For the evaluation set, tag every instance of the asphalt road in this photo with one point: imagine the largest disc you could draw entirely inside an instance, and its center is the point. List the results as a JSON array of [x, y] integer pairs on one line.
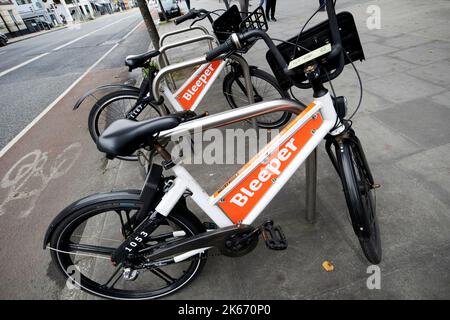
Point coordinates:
[[61, 57]]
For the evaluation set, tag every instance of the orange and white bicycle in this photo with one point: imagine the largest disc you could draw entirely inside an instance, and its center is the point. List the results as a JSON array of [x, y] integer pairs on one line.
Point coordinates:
[[144, 244]]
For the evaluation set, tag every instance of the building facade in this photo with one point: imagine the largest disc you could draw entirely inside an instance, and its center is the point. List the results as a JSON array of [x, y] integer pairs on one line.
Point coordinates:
[[11, 23], [37, 14]]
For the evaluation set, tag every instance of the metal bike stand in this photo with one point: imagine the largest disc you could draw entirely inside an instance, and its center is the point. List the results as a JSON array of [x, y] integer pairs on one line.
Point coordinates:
[[311, 187], [163, 60], [172, 33], [248, 86]]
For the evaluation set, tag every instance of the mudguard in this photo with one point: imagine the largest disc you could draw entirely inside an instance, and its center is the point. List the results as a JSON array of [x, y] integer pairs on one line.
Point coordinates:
[[89, 200], [104, 87]]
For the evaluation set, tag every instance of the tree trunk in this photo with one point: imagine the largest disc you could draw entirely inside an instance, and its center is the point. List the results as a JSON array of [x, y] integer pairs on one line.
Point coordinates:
[[149, 23]]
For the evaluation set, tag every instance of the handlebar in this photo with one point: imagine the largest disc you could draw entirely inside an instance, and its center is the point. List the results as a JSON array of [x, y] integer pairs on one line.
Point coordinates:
[[226, 47], [238, 40], [193, 14], [190, 15]]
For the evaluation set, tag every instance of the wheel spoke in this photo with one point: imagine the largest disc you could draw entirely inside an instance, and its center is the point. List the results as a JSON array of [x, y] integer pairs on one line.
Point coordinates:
[[163, 275], [111, 282]]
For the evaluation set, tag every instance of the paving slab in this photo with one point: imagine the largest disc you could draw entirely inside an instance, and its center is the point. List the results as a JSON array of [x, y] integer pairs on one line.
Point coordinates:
[[425, 54], [400, 87], [443, 99], [406, 40], [433, 167], [421, 120], [437, 73]]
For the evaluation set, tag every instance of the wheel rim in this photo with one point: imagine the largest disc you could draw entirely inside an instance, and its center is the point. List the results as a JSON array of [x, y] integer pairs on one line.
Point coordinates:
[[91, 270], [117, 108], [263, 91]]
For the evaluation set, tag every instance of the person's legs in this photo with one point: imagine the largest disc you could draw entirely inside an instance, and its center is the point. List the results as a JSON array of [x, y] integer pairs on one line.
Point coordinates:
[[322, 5], [188, 4], [268, 4], [273, 4]]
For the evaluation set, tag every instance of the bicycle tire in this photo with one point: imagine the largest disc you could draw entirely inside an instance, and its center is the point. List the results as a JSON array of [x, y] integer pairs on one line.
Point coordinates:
[[359, 195], [101, 107], [227, 88], [61, 241]]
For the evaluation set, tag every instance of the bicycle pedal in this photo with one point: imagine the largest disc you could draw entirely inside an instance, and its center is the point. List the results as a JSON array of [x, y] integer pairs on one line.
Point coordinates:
[[274, 236]]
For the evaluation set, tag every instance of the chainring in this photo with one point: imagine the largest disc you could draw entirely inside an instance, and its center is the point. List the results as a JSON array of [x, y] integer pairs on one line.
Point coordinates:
[[232, 248]]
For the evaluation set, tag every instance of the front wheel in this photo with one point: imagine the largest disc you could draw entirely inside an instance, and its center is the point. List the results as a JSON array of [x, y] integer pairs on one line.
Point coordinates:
[[360, 197], [83, 242], [265, 88]]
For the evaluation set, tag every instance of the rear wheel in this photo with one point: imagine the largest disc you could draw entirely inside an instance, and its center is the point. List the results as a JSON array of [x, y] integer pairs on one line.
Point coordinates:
[[82, 245], [115, 106], [265, 88], [360, 198]]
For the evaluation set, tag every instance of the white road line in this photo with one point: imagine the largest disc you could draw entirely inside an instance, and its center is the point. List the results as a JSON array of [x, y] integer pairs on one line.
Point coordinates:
[[23, 64], [46, 110], [60, 47], [132, 30]]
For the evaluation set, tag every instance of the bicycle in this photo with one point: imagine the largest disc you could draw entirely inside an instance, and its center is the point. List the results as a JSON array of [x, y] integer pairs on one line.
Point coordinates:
[[157, 234], [140, 103]]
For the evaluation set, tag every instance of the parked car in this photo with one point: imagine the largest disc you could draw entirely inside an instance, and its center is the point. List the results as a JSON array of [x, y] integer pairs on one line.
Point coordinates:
[[3, 40], [170, 7]]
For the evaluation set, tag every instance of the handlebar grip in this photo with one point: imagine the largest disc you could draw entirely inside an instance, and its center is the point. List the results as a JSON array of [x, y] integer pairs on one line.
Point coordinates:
[[190, 15], [225, 47]]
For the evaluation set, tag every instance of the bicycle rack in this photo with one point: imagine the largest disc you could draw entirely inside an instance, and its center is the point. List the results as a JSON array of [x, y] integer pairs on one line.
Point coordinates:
[[162, 58], [172, 33]]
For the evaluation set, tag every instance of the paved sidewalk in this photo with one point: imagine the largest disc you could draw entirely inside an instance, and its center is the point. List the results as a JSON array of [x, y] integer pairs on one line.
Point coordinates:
[[403, 124]]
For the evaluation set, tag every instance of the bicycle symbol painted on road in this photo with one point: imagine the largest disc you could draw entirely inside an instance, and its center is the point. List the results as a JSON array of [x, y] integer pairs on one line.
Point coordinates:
[[35, 169]]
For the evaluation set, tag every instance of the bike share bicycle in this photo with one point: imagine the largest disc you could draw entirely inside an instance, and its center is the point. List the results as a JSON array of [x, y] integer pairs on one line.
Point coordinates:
[[148, 239], [140, 103]]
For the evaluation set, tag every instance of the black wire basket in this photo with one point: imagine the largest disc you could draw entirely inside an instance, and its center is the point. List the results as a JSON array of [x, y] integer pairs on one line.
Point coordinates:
[[231, 22], [314, 38]]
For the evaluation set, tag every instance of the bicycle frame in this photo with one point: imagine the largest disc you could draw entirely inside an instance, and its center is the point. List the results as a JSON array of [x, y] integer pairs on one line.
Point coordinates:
[[194, 89], [245, 195]]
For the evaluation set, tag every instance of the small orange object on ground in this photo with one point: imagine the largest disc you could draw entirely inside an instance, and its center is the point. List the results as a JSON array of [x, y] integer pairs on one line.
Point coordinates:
[[327, 266]]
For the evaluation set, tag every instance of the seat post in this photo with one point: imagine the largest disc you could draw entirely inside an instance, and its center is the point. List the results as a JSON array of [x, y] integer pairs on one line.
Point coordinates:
[[167, 163]]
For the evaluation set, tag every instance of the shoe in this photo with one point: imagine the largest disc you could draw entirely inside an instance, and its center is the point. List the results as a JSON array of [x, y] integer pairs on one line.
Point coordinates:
[[273, 18], [323, 8], [268, 18]]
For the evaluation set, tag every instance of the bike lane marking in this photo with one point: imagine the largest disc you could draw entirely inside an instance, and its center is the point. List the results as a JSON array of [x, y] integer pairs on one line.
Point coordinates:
[[55, 163]]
